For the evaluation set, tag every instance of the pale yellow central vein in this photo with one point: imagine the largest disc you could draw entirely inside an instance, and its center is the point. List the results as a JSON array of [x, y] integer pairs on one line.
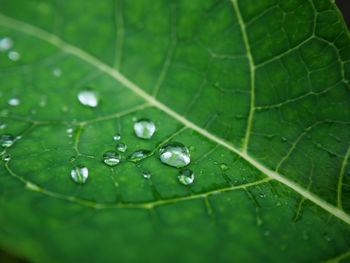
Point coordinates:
[[54, 40]]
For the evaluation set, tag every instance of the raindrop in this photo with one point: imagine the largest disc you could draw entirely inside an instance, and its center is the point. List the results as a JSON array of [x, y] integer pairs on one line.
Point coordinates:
[[79, 174], [144, 128], [262, 195], [6, 157], [14, 55], [116, 137], [224, 167], [146, 174], [88, 98], [111, 158], [121, 147], [57, 72], [6, 140], [139, 155], [174, 154], [5, 43], [186, 177], [3, 126], [13, 102]]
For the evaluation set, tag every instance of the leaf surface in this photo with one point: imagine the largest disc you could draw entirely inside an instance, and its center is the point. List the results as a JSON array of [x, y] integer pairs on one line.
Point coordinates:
[[258, 86]]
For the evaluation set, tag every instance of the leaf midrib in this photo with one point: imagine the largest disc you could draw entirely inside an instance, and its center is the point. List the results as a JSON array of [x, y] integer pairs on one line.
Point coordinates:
[[56, 41]]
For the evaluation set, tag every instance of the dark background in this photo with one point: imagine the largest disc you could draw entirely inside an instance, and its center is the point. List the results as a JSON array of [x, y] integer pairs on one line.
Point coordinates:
[[343, 5]]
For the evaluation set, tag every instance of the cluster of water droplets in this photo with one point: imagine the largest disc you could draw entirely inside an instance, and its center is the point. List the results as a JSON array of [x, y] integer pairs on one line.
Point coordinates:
[[6, 44]]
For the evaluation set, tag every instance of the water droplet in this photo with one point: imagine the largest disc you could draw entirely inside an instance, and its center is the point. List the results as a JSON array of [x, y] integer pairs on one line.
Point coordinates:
[[111, 158], [174, 154], [121, 147], [64, 108], [79, 174], [13, 102], [14, 55], [192, 148], [327, 237], [43, 101], [262, 195], [6, 140], [6, 157], [133, 119], [116, 137], [3, 126], [186, 177], [69, 130], [224, 167], [306, 235], [57, 72], [5, 43], [146, 174], [144, 128], [139, 155], [88, 98]]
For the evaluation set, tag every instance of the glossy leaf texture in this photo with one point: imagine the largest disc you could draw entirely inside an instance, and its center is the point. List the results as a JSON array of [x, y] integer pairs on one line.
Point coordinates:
[[257, 91]]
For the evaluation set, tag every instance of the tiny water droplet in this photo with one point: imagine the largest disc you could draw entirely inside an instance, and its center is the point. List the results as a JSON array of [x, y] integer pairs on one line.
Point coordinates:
[[6, 140], [79, 174], [111, 158], [116, 137], [57, 72], [69, 130], [192, 148], [3, 126], [133, 119], [88, 98], [6, 157], [139, 155], [262, 195], [224, 167], [13, 102], [327, 237], [186, 177], [43, 101], [5, 44], [144, 128], [146, 174], [64, 108], [174, 154], [306, 235], [14, 55], [121, 147]]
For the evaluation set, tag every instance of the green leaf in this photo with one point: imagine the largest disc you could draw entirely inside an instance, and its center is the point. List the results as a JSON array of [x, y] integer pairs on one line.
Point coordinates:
[[257, 90]]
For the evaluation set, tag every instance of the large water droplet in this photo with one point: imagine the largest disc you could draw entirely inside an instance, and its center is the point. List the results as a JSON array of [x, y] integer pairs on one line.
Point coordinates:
[[14, 55], [121, 147], [88, 98], [13, 102], [111, 158], [5, 43], [146, 174], [79, 174], [6, 140], [223, 167], [116, 137], [139, 155], [186, 177], [6, 157], [144, 128], [174, 154]]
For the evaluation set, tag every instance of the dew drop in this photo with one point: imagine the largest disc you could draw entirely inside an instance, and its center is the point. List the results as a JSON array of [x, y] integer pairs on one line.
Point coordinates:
[[88, 98], [121, 147], [14, 55], [223, 167], [116, 137], [146, 174], [6, 157], [144, 128], [79, 174], [186, 177], [57, 72], [2, 126], [13, 102], [139, 155], [174, 154], [6, 140], [5, 43], [111, 158], [262, 195]]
